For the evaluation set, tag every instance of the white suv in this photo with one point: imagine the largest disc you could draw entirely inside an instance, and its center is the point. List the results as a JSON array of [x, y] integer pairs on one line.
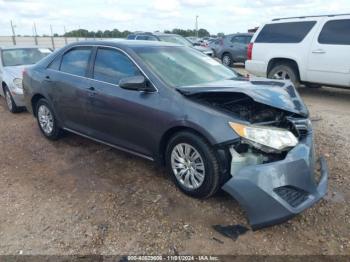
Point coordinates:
[[312, 50]]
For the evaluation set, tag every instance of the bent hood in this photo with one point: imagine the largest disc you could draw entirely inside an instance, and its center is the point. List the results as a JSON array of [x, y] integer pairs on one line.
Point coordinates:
[[278, 94]]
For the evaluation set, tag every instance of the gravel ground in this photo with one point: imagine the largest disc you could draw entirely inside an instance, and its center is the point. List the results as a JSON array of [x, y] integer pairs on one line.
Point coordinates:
[[75, 196]]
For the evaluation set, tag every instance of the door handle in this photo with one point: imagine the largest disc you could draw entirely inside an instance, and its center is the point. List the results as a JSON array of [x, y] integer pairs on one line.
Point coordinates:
[[318, 51], [48, 79], [92, 92]]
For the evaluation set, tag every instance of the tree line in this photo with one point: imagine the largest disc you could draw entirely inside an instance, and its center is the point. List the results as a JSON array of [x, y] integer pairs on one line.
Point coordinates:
[[115, 33]]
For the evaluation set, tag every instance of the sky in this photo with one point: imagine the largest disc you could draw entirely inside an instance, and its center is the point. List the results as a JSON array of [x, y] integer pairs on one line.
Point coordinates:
[[227, 16]]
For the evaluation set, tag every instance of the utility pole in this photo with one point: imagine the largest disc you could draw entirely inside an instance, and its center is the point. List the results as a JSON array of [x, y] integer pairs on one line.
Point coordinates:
[[197, 26], [65, 34], [13, 33], [52, 40], [35, 34]]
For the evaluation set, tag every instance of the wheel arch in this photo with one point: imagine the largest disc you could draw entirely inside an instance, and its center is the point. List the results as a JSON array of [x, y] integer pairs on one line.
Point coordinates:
[[283, 61], [34, 100], [3, 85], [170, 133], [224, 53]]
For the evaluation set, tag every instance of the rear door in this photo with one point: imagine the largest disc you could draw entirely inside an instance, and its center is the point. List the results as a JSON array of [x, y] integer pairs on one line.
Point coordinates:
[[329, 57], [239, 45], [68, 87]]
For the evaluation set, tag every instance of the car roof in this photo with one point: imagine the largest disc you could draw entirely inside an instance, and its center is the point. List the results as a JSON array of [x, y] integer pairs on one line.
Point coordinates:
[[240, 34], [124, 43], [309, 17], [155, 34]]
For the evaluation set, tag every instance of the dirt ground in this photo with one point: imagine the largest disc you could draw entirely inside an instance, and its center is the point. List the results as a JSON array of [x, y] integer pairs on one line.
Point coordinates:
[[75, 196]]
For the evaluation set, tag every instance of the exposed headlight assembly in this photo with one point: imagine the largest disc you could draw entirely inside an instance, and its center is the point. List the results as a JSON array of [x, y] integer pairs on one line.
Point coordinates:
[[277, 139], [18, 83]]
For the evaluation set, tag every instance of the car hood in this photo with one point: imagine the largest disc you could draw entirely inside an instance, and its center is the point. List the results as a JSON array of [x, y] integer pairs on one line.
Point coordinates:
[[278, 94], [14, 71]]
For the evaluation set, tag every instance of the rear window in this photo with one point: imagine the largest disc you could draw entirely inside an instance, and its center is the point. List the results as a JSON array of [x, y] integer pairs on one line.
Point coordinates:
[[335, 32], [293, 32]]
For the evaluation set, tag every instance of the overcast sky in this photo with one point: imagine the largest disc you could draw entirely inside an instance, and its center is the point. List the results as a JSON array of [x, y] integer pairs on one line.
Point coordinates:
[[226, 16]]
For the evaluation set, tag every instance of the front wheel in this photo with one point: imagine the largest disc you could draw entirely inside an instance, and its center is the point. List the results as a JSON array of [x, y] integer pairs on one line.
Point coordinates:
[[193, 165], [11, 105], [47, 121]]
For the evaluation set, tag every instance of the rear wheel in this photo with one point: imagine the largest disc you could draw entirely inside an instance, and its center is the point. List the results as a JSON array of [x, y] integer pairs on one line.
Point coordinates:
[[11, 105], [285, 72], [47, 121], [193, 165], [227, 59]]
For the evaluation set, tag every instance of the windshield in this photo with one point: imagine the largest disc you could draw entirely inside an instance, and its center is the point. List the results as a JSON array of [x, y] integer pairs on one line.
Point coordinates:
[[23, 56], [176, 39], [183, 66]]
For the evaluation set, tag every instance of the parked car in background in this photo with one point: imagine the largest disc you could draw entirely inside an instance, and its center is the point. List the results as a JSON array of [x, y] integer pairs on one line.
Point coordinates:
[[170, 38], [13, 60], [313, 50], [194, 40], [209, 126], [234, 48], [215, 45]]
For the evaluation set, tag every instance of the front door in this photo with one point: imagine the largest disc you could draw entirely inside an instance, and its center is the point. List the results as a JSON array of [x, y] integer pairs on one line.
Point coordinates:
[[329, 57], [120, 117]]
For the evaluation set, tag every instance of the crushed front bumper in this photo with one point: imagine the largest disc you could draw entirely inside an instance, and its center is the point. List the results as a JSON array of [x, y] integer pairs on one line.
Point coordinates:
[[274, 192]]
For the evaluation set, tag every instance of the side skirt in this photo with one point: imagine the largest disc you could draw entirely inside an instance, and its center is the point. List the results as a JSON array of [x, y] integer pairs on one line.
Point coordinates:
[[111, 145]]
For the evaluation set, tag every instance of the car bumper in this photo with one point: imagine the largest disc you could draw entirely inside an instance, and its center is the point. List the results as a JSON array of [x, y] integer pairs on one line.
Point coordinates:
[[274, 192], [18, 97], [257, 68]]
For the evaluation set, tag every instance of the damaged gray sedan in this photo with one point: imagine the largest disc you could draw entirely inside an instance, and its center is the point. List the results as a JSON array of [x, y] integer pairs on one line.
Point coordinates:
[[209, 126]]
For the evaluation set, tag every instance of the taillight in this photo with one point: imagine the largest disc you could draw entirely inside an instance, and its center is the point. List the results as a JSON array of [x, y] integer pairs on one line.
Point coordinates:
[[23, 72], [250, 51]]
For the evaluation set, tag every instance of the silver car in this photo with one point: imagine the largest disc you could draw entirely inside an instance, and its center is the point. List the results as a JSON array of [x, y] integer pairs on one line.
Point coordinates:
[[13, 60]]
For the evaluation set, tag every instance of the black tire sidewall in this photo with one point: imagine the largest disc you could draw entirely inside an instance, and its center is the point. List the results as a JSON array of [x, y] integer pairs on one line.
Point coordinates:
[[54, 135], [14, 108], [211, 179]]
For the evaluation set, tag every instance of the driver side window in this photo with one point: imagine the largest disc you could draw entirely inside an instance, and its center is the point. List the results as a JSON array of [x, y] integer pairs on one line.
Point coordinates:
[[111, 66]]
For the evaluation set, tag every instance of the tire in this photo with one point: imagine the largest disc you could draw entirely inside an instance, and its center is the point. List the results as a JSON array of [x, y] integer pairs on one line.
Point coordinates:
[[44, 114], [285, 72], [206, 165], [11, 105], [227, 59]]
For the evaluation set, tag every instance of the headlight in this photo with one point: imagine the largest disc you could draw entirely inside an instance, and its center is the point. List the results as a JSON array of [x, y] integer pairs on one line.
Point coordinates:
[[18, 83], [276, 138]]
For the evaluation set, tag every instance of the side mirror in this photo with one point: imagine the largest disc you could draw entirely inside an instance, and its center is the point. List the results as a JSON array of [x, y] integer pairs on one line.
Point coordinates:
[[137, 83]]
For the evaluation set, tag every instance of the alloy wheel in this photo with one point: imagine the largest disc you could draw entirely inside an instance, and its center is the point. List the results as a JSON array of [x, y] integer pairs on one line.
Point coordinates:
[[226, 60], [281, 75], [46, 119], [188, 166]]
